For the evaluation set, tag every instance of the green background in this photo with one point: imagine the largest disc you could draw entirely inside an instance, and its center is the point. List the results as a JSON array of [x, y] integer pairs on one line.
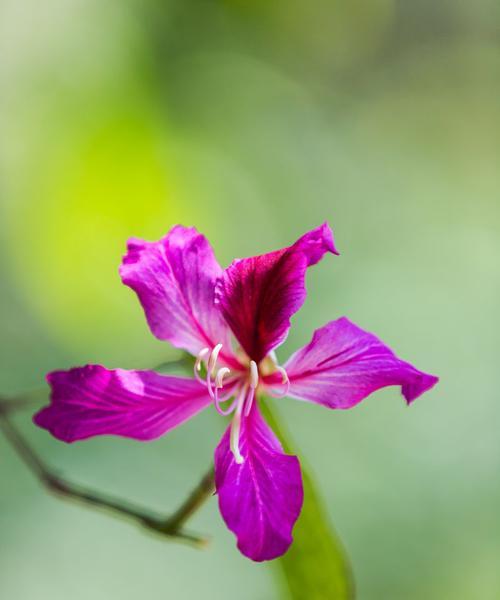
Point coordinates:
[[255, 121]]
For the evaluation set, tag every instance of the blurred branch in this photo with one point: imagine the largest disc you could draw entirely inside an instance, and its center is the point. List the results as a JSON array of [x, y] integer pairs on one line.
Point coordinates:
[[29, 399], [170, 526]]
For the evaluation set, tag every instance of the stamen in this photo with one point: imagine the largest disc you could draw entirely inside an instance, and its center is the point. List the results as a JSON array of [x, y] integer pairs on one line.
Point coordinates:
[[284, 375], [224, 411], [200, 358], [249, 403], [235, 428], [221, 373], [254, 382], [254, 374], [197, 365], [212, 361], [285, 381]]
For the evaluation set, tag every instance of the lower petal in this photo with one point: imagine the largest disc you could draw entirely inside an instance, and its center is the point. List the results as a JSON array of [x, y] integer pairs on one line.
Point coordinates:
[[260, 499], [91, 400]]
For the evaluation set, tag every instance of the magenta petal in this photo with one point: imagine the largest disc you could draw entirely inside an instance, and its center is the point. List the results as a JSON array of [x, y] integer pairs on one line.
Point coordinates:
[[258, 295], [261, 499], [343, 364], [91, 400], [174, 279]]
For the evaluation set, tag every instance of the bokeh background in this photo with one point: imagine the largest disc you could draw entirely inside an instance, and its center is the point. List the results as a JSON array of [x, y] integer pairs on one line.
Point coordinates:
[[254, 121]]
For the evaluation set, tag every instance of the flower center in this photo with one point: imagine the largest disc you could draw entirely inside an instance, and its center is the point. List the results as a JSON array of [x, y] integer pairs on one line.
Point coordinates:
[[242, 386]]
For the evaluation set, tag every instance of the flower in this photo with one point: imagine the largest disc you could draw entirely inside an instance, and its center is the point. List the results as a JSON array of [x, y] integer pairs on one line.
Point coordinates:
[[191, 302]]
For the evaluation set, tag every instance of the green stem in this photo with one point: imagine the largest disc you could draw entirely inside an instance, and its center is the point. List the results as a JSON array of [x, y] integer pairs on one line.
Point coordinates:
[[316, 566]]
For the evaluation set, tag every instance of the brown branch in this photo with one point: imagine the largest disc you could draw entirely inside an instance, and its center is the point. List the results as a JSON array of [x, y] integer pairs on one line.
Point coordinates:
[[171, 526]]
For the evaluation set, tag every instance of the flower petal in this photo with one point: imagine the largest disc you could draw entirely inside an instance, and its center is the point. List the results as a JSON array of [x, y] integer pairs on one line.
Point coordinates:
[[261, 499], [343, 364], [258, 295], [174, 279], [91, 400]]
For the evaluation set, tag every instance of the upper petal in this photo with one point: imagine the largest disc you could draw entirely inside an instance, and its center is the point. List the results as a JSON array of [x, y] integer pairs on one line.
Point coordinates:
[[261, 499], [343, 364], [174, 279], [91, 400], [258, 295]]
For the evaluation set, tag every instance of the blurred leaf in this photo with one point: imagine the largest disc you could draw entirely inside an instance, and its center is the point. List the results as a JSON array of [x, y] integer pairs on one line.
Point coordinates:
[[96, 184], [181, 366], [316, 566]]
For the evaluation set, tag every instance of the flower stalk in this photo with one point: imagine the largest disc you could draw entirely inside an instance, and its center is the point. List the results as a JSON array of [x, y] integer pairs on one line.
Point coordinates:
[[171, 526]]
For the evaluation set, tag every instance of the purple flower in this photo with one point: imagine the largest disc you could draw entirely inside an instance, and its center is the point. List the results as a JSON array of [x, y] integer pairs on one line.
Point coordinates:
[[198, 307]]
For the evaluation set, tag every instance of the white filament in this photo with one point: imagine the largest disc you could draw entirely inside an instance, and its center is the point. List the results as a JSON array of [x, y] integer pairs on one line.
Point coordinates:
[[285, 380], [249, 402], [234, 438]]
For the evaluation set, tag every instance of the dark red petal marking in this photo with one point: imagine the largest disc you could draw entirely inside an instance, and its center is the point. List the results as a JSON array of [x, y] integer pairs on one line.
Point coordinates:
[[258, 295]]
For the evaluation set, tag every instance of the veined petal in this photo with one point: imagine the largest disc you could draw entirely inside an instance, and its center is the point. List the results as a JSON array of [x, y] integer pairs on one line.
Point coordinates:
[[260, 499], [174, 279], [91, 400], [343, 364], [258, 295]]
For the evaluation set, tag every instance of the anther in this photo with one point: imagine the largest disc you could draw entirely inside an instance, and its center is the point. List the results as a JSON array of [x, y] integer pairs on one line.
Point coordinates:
[[202, 354], [219, 378], [254, 374], [212, 361], [200, 358]]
